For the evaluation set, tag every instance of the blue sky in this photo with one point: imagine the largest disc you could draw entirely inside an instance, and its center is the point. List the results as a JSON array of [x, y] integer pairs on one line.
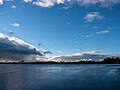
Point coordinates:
[[64, 27]]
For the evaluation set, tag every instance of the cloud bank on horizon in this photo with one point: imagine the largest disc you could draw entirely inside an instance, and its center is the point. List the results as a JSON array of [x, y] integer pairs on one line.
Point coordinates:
[[83, 56], [12, 48]]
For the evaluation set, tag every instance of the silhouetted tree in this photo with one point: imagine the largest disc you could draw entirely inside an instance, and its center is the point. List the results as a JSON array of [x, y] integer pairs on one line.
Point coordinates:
[[111, 60], [22, 61]]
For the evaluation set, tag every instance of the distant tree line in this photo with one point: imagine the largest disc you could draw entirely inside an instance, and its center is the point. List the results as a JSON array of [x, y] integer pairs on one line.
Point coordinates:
[[108, 60], [112, 60]]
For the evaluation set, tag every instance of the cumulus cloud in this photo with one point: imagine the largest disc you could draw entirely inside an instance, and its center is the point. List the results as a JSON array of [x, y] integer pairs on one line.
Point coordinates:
[[50, 3], [27, 1], [13, 6], [82, 57], [91, 16], [12, 48], [15, 24], [101, 3], [1, 2], [103, 32], [93, 55], [47, 3], [78, 57]]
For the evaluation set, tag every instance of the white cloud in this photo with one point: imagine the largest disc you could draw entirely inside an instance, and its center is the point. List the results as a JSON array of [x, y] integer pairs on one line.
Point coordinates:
[[27, 1], [13, 6], [91, 16], [92, 52], [12, 48], [103, 32], [60, 51], [79, 57], [50, 3], [16, 42], [108, 3], [93, 55], [47, 3], [89, 36], [88, 52], [101, 3], [1, 2], [15, 24]]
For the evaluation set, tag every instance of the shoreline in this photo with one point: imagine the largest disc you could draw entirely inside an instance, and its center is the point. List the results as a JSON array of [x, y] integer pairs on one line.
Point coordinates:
[[59, 63]]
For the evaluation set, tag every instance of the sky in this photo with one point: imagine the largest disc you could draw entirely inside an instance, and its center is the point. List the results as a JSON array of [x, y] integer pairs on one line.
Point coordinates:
[[63, 27]]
